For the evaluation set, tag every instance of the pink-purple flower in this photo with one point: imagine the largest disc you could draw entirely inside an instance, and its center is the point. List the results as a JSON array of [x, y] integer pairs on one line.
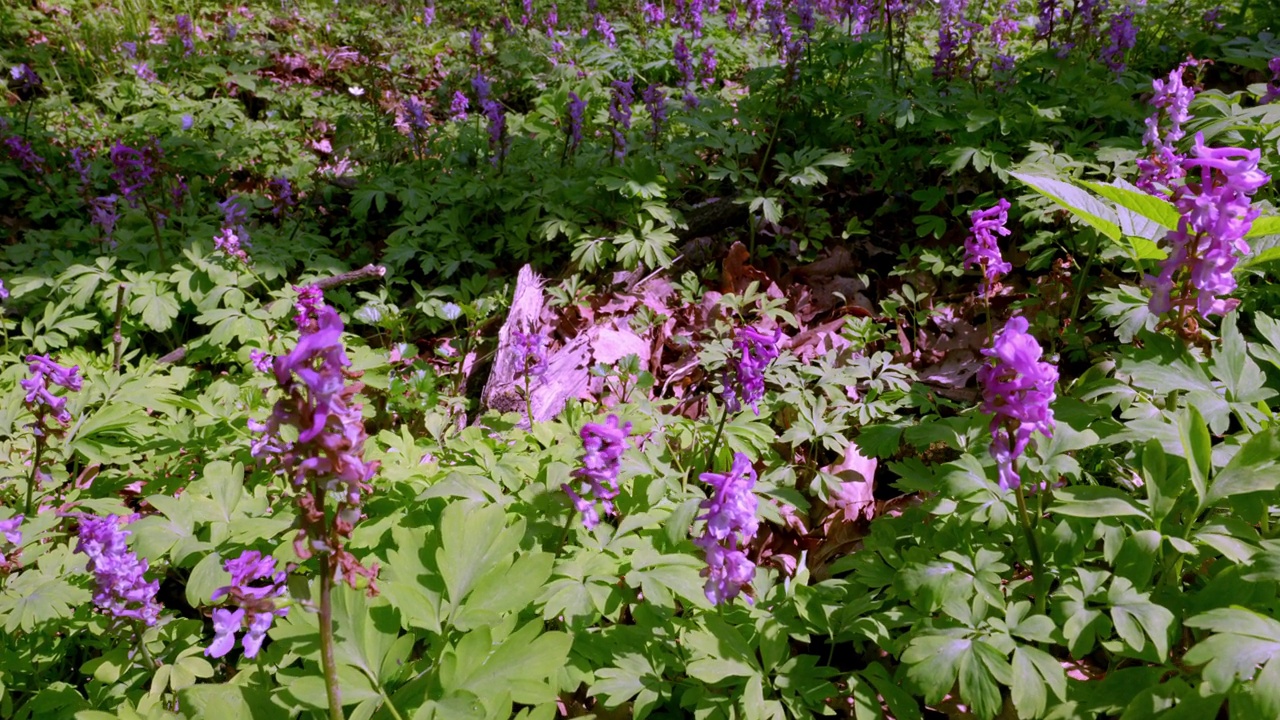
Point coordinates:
[[255, 586], [731, 525], [1017, 389], [603, 445], [982, 247], [40, 399], [745, 382], [120, 587]]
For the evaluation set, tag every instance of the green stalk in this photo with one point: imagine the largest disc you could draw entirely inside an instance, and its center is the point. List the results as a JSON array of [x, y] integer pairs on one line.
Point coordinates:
[[35, 471], [711, 451], [1038, 571], [330, 667]]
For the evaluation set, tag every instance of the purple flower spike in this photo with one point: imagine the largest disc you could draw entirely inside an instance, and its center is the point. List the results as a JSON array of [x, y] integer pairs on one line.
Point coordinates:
[[39, 399], [982, 248], [1273, 87], [603, 445], [531, 353], [731, 525], [12, 536], [4, 292], [655, 101], [745, 384], [620, 113], [121, 590], [458, 107], [255, 585], [310, 301], [577, 109], [1017, 390]]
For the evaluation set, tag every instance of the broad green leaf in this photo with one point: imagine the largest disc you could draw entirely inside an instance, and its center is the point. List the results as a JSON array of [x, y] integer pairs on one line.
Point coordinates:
[[1033, 671], [1135, 615], [1242, 641], [223, 702], [1252, 469], [1153, 208], [474, 541], [1077, 201], [33, 597], [1093, 501]]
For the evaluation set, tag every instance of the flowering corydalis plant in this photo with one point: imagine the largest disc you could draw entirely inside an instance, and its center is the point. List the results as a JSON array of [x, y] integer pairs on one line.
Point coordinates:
[[731, 525], [255, 586], [10, 543], [982, 247], [326, 460], [121, 589], [1216, 213], [40, 399], [1160, 170], [745, 382], [602, 445], [1017, 389], [233, 237]]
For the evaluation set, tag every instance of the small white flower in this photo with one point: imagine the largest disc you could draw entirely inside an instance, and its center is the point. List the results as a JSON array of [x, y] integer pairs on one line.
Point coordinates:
[[356, 90]]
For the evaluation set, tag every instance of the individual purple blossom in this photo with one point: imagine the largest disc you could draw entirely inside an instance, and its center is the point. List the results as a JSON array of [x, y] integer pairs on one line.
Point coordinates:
[[1273, 87], [1017, 389], [261, 360], [458, 108], [982, 247], [130, 49], [1212, 18], [620, 102], [230, 30], [480, 84], [1122, 37], [603, 27], [325, 457], [40, 399], [745, 382], [429, 14], [4, 292], [187, 122], [655, 101], [1216, 213], [553, 18], [603, 445], [255, 586], [577, 109], [731, 525], [120, 586], [231, 244]]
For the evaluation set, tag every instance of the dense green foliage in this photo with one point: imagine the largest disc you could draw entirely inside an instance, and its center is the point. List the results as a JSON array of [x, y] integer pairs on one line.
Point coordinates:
[[819, 182]]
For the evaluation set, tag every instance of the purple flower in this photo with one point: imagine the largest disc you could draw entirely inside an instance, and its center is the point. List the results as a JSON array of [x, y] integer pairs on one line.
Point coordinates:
[[416, 117], [603, 27], [1215, 214], [25, 81], [185, 32], [283, 198], [982, 248], [260, 360], [40, 399], [135, 169], [4, 292], [1017, 389], [255, 585], [229, 243], [102, 212], [654, 14], [707, 67], [1273, 87], [130, 49], [745, 382], [577, 109], [531, 353], [655, 101], [121, 590], [731, 525], [477, 41], [1172, 99], [1123, 36], [429, 14], [684, 61], [497, 124], [620, 113], [481, 86], [458, 108], [310, 301], [233, 238], [603, 445], [188, 122], [326, 458], [144, 71], [12, 536], [21, 152], [79, 163]]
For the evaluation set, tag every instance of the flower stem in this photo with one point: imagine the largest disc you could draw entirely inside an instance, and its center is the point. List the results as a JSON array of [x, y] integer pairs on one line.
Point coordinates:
[[711, 451], [142, 645], [35, 473], [1038, 571], [326, 638]]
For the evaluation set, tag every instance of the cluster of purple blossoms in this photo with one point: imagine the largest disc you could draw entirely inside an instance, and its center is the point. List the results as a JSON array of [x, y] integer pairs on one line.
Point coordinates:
[[233, 238], [4, 292], [744, 384], [255, 585], [982, 247], [530, 353], [327, 457], [429, 14], [25, 82], [1216, 214], [654, 14], [102, 212], [655, 101], [310, 301], [497, 119], [121, 590], [602, 445], [185, 33], [731, 525], [1002, 28], [282, 198], [459, 106], [1017, 390], [415, 115], [1123, 36], [953, 32], [144, 71], [40, 399], [1273, 88], [577, 109], [603, 27], [12, 536], [135, 169], [707, 66], [1172, 99], [20, 151], [81, 163], [620, 113], [477, 42], [684, 62]]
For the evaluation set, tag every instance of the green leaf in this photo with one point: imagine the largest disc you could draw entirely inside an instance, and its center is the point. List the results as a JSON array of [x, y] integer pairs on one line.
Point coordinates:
[[1269, 225], [33, 597], [1076, 201], [1252, 469], [474, 542], [1153, 208], [521, 663], [933, 663], [222, 702], [1243, 641], [1033, 671], [1093, 501], [1134, 615]]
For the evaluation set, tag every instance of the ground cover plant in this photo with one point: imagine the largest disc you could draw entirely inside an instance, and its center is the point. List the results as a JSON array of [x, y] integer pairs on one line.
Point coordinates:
[[715, 359]]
